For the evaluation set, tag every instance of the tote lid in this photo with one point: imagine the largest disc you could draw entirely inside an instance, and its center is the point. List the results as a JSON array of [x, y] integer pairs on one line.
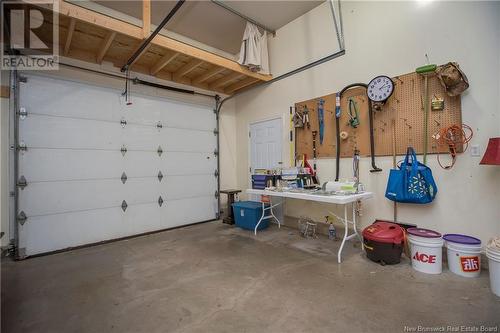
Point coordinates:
[[426, 233]]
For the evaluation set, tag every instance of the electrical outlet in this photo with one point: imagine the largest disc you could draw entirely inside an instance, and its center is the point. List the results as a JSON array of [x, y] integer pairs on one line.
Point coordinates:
[[474, 151]]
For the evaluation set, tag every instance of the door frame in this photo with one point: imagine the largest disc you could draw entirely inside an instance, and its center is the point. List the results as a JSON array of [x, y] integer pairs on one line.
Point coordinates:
[[249, 143]]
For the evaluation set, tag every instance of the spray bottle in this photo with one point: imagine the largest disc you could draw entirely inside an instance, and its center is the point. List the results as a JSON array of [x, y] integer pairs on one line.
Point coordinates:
[[332, 233]]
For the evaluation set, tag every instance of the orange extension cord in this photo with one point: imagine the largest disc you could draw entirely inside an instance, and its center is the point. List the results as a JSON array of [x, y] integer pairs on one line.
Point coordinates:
[[452, 137]]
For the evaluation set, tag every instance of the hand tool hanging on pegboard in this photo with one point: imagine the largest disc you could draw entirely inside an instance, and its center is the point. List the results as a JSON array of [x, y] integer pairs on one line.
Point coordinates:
[[353, 113], [321, 119], [292, 145], [337, 126], [305, 117], [426, 71], [314, 134]]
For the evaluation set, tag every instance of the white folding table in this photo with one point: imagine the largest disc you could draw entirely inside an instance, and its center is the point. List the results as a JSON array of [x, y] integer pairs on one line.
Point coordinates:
[[344, 200]]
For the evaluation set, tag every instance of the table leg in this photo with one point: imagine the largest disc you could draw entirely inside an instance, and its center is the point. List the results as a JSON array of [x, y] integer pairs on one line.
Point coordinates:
[[261, 218], [354, 221], [346, 230]]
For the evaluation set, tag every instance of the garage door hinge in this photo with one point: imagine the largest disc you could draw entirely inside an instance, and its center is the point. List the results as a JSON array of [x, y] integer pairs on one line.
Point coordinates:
[[22, 146], [123, 122], [124, 177], [23, 113], [21, 218], [22, 183], [124, 205], [216, 132], [123, 150], [160, 201], [216, 152], [216, 173], [22, 79], [216, 194], [160, 176], [159, 125], [159, 151]]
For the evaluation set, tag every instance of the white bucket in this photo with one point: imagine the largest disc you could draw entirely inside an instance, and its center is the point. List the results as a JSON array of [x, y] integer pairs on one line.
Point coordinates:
[[426, 254], [464, 260], [493, 255]]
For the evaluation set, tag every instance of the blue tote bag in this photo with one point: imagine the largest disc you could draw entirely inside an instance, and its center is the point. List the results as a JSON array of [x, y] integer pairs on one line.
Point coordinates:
[[412, 182]]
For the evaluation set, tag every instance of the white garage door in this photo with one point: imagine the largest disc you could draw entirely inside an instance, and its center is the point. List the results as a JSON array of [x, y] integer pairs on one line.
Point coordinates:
[[97, 169]]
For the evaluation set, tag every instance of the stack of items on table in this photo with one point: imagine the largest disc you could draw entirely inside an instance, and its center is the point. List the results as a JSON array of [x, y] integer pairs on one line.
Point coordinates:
[[283, 178]]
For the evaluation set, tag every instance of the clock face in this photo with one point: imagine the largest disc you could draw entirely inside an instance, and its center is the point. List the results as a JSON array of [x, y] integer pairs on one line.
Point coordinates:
[[380, 88]]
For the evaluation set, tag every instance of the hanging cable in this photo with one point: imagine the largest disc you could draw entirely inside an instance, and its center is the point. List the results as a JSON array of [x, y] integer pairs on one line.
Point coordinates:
[[453, 137]]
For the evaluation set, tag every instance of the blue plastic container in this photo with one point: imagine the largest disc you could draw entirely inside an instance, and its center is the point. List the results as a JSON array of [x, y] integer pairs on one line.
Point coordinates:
[[248, 213]]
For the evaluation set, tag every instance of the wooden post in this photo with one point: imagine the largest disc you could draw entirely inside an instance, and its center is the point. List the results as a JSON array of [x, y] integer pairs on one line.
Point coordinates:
[[146, 18]]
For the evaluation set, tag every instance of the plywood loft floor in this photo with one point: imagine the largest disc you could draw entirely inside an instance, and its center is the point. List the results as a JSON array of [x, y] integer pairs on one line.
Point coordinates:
[[216, 278]]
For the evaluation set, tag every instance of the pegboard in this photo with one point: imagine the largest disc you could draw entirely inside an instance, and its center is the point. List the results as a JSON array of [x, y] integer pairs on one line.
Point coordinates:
[[405, 109]]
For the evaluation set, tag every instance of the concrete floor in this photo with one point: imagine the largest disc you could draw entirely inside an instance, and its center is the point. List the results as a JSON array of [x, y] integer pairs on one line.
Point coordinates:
[[217, 278]]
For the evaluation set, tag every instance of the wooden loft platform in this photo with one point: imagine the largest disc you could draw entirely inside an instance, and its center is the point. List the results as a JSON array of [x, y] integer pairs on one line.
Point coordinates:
[[93, 37]]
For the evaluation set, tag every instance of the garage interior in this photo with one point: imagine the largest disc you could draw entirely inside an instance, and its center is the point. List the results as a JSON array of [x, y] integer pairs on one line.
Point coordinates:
[[250, 166]]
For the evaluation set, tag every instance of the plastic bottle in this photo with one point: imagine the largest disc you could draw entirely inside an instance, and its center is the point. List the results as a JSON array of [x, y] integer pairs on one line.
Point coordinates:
[[332, 233]]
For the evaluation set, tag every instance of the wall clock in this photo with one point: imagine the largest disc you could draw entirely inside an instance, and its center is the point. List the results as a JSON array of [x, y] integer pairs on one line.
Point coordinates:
[[380, 89]]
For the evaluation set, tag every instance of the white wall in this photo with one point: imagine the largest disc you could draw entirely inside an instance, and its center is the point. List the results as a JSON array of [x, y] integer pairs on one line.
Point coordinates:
[[392, 38]]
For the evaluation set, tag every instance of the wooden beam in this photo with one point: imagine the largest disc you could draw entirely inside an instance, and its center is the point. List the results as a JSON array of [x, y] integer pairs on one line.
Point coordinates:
[[106, 43], [240, 84], [130, 30], [146, 18], [206, 56], [208, 74], [225, 80], [4, 92], [69, 36], [184, 70], [164, 61]]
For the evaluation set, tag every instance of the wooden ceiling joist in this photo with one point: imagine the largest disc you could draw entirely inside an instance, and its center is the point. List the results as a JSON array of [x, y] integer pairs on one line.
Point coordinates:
[[208, 74], [120, 36], [225, 80], [239, 85], [69, 36], [106, 43], [184, 70], [164, 61]]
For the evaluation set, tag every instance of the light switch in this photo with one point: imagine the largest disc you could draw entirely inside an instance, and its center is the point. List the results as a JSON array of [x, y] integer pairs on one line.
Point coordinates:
[[474, 151]]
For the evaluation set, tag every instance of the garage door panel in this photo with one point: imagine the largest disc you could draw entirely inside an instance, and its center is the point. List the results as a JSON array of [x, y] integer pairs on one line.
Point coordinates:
[[41, 131], [74, 163], [200, 209], [180, 163], [58, 197], [188, 140], [178, 187], [192, 117], [55, 97], [138, 137], [86, 164], [143, 218], [71, 164], [54, 232]]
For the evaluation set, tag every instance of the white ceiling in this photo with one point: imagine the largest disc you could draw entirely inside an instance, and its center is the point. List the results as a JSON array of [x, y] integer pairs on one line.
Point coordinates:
[[213, 25]]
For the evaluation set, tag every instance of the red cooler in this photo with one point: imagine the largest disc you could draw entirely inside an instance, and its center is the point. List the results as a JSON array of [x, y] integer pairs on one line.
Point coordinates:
[[383, 242]]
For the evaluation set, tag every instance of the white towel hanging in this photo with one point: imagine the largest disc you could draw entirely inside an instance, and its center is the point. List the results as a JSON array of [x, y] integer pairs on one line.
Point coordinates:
[[253, 51]]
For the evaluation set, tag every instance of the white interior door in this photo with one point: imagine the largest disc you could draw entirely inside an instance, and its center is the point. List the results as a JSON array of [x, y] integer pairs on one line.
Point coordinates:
[[265, 144], [266, 150], [97, 169]]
